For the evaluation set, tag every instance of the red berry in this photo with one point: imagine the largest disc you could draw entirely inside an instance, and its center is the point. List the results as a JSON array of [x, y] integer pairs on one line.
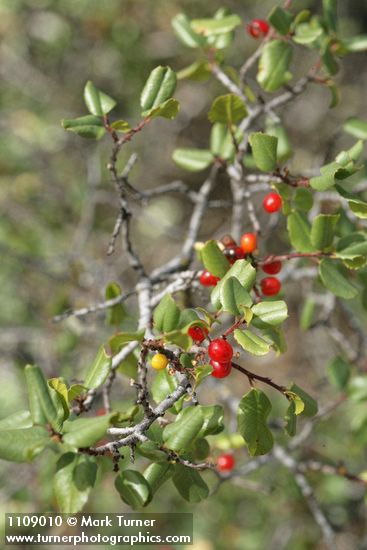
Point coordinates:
[[220, 370], [220, 350], [233, 253], [225, 463], [207, 279], [258, 28], [272, 203], [270, 286], [273, 268], [101, 412], [248, 242], [198, 334]]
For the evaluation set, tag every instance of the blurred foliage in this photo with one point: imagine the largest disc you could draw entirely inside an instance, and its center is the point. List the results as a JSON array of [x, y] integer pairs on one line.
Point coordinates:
[[57, 212]]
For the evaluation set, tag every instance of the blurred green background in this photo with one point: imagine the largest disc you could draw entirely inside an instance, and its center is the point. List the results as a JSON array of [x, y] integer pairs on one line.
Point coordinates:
[[58, 209]]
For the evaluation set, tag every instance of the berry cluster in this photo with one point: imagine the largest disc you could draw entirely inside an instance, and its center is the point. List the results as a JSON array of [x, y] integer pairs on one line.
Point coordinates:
[[270, 286], [220, 352]]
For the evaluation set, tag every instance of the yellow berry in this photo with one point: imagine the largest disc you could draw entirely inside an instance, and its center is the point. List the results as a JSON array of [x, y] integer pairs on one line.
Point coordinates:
[[159, 361]]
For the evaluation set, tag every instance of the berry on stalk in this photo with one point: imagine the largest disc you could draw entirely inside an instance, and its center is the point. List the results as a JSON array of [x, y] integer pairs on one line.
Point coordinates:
[[270, 286], [258, 28], [198, 334], [272, 268], [220, 370], [207, 279], [220, 350], [272, 203], [248, 242], [159, 361], [225, 463], [234, 253]]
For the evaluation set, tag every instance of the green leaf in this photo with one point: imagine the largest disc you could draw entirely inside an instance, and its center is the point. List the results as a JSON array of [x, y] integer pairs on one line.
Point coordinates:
[[199, 71], [115, 314], [341, 168], [61, 399], [157, 474], [310, 405], [234, 297], [334, 279], [352, 249], [163, 385], [121, 126], [307, 34], [39, 391], [253, 411], [299, 232], [323, 231], [202, 372], [214, 260], [284, 147], [169, 109], [357, 206], [209, 27], [99, 369], [84, 432], [188, 317], [213, 420], [303, 199], [251, 342], [243, 271], [356, 127], [166, 315], [273, 65], [338, 372], [86, 126], [272, 313], [97, 102], [150, 449], [264, 150], [75, 477], [330, 14], [291, 419], [16, 421], [221, 41], [307, 314], [75, 390], [23, 444], [227, 109], [334, 94], [221, 141], [35, 404], [133, 489], [193, 160], [357, 388], [355, 43], [182, 27], [190, 484], [274, 334], [328, 59], [281, 20], [159, 87], [179, 435], [120, 339], [201, 449], [299, 405]]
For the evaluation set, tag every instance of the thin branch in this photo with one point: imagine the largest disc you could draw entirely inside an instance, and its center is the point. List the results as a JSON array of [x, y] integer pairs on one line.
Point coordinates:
[[265, 379], [308, 494], [183, 259]]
